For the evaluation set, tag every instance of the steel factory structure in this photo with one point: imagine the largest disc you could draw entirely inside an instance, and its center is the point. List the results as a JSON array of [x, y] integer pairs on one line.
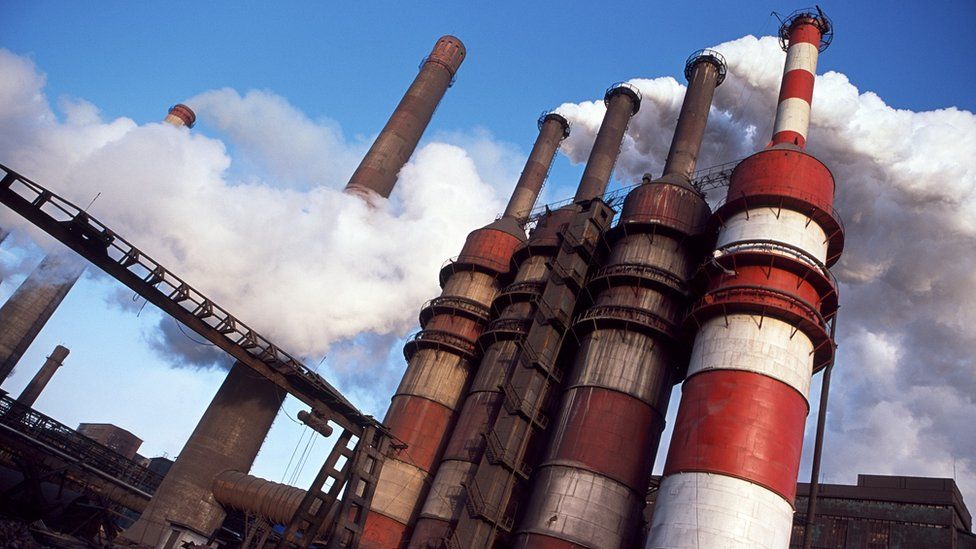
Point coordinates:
[[535, 394]]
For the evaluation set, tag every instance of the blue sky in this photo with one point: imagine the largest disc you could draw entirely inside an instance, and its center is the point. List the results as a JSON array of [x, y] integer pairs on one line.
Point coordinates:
[[348, 64]]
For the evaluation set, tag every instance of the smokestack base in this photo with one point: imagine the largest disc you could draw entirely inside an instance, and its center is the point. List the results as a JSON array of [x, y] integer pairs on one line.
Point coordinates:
[[553, 115], [707, 56], [623, 88], [807, 16], [181, 115], [449, 52]]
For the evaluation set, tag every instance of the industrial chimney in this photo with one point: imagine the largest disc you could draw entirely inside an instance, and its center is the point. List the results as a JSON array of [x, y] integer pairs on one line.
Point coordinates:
[[762, 330], [611, 416], [480, 474], [377, 173], [443, 356], [181, 116], [26, 312], [40, 380]]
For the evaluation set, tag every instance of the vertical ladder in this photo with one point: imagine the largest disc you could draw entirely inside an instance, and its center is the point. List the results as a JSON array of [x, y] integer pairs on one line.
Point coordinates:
[[507, 463]]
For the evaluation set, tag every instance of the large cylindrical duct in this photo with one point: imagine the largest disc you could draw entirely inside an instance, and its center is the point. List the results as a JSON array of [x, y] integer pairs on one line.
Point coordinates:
[[442, 357], [227, 438], [504, 342], [377, 173], [40, 380], [762, 330], [256, 496], [27, 311], [587, 492]]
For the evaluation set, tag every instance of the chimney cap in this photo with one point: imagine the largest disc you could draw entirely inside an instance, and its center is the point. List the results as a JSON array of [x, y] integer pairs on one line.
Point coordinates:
[[625, 88], [184, 113], [448, 52], [707, 56], [553, 115]]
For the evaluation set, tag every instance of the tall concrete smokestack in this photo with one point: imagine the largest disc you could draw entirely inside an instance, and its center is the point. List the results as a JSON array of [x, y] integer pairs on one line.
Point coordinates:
[[40, 380], [181, 116], [730, 476], [377, 173], [27, 311], [442, 357], [611, 415], [520, 346], [227, 438]]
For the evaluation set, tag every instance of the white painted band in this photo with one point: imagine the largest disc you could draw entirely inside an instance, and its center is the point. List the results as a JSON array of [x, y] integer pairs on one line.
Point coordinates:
[[782, 225], [792, 114], [802, 56], [398, 490], [626, 361], [736, 342], [436, 375], [698, 510], [577, 505]]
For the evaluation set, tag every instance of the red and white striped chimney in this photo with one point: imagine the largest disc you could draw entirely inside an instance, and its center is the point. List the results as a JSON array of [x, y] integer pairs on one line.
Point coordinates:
[[730, 476]]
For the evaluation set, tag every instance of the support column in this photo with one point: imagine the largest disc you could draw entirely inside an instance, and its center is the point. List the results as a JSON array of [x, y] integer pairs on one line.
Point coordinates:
[[228, 438]]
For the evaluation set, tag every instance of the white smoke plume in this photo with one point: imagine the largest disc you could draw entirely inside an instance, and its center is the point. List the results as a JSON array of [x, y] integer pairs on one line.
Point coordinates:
[[266, 233], [904, 388]]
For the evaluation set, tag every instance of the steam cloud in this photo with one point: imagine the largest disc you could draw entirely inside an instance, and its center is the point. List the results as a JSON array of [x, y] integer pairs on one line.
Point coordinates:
[[272, 238], [904, 389]]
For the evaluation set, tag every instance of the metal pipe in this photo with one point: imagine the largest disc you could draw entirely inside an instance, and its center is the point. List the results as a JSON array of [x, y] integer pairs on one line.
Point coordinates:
[[818, 448], [622, 101], [27, 311], [705, 70], [553, 128], [181, 116], [272, 500], [377, 173], [40, 380]]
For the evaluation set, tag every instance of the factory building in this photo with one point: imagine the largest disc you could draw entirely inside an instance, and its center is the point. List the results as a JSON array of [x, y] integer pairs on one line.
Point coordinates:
[[112, 436]]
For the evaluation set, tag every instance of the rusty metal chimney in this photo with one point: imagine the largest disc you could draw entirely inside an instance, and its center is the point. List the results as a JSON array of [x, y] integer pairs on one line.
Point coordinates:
[[705, 71], [33, 390], [553, 128], [377, 173], [181, 116], [622, 101]]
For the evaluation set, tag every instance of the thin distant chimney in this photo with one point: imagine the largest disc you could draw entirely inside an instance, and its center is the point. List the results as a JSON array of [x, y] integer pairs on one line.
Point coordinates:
[[43, 376], [180, 115]]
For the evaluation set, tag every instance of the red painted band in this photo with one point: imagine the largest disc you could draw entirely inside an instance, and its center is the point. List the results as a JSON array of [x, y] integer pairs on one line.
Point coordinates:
[[740, 424], [382, 532], [423, 425], [791, 137], [607, 432], [460, 326], [797, 84], [805, 31]]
